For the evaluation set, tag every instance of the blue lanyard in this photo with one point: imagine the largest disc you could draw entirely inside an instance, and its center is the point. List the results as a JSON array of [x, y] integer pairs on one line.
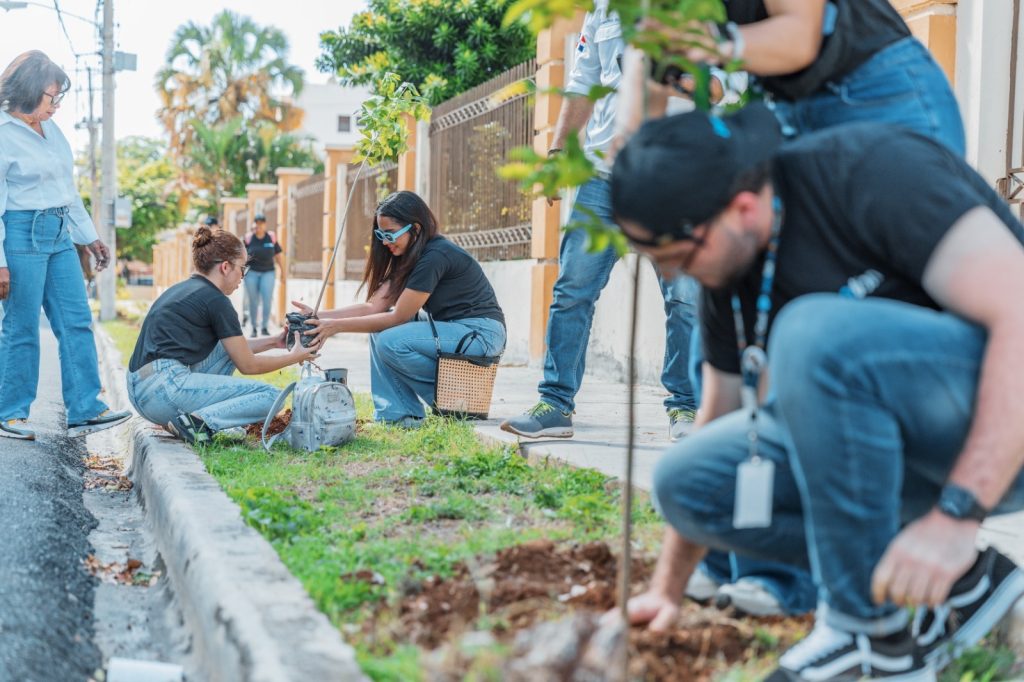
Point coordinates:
[[753, 359]]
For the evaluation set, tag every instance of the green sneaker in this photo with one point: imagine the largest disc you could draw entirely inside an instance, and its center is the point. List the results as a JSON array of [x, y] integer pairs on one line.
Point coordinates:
[[680, 422], [540, 421]]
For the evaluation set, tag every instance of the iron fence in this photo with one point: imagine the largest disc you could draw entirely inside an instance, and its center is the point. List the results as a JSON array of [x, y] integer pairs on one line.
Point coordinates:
[[373, 185], [470, 137], [306, 228]]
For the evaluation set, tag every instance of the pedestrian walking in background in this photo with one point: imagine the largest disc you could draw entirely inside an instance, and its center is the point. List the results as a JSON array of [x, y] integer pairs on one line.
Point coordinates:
[[264, 252], [41, 220]]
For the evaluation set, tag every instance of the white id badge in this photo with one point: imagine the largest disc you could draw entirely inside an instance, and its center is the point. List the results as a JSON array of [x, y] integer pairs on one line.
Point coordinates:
[[755, 481]]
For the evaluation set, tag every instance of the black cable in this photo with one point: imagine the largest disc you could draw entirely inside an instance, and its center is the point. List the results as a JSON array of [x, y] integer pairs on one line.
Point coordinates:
[[60, 18]]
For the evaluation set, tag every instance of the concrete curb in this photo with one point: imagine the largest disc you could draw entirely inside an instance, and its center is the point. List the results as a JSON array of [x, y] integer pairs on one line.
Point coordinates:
[[249, 618]]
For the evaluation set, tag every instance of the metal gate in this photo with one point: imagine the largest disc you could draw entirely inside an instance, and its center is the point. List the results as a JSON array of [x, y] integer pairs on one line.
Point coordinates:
[[1011, 186]]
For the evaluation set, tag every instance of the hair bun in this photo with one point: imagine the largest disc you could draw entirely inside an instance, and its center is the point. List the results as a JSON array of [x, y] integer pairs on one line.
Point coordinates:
[[204, 236]]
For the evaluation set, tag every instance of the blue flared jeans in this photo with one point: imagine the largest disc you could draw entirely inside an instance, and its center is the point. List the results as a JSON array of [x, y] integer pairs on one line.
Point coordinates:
[[403, 362], [46, 274]]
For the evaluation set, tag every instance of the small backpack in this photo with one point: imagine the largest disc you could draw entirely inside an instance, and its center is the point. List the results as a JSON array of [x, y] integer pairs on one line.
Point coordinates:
[[323, 413]]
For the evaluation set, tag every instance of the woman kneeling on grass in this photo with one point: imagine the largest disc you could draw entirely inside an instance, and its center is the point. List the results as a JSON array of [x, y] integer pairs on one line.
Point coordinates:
[[410, 266], [191, 343]]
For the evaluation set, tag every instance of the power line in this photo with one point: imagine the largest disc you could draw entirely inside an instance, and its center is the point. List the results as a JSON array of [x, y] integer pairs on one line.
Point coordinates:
[[60, 18]]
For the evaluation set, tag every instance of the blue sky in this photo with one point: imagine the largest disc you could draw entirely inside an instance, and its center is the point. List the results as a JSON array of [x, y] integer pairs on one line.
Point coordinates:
[[145, 27]]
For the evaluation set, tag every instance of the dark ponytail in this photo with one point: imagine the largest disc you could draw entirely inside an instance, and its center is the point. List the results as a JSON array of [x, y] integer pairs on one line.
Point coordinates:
[[210, 247]]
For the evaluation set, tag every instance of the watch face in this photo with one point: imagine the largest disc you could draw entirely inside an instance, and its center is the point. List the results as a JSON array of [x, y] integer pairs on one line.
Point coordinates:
[[960, 504], [952, 506]]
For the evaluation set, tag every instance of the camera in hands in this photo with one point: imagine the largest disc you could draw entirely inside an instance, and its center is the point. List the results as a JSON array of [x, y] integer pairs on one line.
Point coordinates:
[[299, 322]]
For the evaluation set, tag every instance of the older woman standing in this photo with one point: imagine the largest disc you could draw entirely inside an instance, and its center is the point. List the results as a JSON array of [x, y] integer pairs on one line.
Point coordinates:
[[41, 219]]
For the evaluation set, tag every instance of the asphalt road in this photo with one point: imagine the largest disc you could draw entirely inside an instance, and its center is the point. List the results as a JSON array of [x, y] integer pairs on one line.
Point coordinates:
[[46, 597]]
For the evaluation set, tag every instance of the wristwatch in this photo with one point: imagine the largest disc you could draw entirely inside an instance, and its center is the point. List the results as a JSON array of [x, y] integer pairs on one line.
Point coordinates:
[[961, 504]]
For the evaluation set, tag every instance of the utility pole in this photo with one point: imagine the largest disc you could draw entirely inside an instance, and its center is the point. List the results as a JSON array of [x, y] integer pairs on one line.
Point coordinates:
[[107, 279], [94, 176]]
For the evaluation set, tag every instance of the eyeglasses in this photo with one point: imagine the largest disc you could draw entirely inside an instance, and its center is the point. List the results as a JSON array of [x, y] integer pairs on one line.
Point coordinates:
[[685, 232], [391, 237], [55, 100], [243, 268]]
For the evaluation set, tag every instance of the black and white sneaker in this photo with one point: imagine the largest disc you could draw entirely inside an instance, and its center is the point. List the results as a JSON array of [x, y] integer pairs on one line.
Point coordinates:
[[838, 656], [191, 429], [104, 420], [977, 602]]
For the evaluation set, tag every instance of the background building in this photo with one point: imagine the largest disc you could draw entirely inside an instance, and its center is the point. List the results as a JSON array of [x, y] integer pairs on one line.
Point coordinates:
[[331, 111]]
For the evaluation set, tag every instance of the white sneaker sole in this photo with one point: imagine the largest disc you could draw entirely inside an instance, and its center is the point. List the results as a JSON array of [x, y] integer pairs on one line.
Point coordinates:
[[75, 431], [17, 436], [982, 622], [747, 604], [552, 432]]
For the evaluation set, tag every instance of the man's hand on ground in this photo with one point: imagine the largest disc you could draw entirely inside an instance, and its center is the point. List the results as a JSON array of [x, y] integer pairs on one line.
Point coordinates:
[[652, 608], [924, 560]]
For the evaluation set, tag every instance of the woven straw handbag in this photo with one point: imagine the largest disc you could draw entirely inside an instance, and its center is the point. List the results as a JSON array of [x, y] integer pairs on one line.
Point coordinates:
[[464, 383]]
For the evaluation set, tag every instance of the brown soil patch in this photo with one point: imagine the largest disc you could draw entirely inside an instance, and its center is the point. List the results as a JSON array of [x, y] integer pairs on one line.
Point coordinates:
[[522, 586], [536, 571], [279, 423]]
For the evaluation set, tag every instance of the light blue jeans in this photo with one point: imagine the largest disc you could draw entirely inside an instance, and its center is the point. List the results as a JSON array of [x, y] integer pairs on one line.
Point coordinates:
[[903, 85], [581, 278], [403, 362], [259, 288], [206, 389], [858, 453], [46, 273]]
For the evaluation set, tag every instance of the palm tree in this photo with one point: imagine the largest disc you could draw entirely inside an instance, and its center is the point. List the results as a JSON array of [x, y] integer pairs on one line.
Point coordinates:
[[233, 68]]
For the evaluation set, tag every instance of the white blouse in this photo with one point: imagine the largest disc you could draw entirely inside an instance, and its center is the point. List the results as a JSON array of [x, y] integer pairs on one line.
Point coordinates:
[[36, 172]]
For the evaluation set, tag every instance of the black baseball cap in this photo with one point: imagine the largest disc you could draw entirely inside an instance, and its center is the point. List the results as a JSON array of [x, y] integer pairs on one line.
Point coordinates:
[[676, 172], [211, 220]]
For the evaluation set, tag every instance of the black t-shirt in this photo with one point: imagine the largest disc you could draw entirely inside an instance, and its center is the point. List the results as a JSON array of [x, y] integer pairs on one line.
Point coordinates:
[[865, 206], [261, 252], [185, 324], [854, 31], [456, 283]]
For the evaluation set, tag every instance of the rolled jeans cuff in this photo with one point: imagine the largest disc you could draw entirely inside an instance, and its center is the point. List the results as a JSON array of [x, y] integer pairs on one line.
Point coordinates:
[[873, 627]]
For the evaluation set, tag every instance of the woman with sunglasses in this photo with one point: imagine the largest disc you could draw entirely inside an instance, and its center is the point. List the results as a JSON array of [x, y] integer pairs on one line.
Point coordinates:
[[411, 266], [181, 373], [41, 220]]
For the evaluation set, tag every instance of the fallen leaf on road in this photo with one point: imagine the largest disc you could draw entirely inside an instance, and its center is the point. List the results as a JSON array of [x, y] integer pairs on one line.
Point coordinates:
[[117, 573]]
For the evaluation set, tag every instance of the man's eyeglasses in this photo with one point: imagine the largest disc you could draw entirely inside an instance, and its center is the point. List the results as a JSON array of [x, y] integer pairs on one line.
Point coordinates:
[[391, 237], [55, 100]]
